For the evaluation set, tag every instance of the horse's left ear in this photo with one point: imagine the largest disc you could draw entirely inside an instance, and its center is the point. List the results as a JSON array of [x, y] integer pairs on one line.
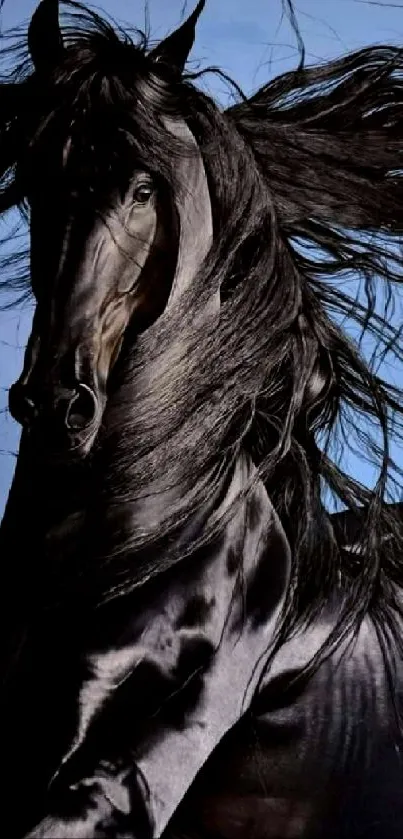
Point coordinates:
[[174, 50], [45, 40]]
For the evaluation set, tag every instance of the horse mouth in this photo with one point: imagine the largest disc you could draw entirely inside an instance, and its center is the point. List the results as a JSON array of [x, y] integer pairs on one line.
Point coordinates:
[[64, 445]]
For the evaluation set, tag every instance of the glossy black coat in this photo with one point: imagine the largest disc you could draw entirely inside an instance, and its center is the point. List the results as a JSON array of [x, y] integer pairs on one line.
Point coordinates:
[[169, 716]]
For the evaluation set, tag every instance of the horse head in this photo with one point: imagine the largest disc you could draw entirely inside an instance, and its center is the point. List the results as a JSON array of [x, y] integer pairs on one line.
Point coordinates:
[[109, 235]]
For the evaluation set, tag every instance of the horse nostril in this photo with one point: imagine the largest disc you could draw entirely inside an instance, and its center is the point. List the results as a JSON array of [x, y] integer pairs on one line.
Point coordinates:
[[22, 408], [82, 409]]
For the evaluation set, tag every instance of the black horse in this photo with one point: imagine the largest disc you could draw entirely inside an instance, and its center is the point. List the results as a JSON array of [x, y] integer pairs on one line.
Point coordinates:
[[190, 649]]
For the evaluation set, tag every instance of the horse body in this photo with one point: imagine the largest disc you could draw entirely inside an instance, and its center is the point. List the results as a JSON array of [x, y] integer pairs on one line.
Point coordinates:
[[189, 651], [174, 712]]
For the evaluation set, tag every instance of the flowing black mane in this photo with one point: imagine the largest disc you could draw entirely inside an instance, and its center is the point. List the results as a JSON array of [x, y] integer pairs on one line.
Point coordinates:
[[306, 187]]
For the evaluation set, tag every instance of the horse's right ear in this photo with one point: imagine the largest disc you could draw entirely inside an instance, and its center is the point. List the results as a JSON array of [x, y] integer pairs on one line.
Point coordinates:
[[174, 50], [45, 40]]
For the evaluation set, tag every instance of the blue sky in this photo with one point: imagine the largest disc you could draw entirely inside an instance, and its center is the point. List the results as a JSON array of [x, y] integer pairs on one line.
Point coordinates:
[[250, 41]]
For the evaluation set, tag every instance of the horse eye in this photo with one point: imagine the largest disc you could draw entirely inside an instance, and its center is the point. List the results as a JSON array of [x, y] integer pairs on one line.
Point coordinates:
[[143, 193]]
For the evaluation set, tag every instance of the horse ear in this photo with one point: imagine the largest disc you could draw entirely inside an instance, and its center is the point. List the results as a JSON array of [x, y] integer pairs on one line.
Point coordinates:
[[45, 40], [175, 49]]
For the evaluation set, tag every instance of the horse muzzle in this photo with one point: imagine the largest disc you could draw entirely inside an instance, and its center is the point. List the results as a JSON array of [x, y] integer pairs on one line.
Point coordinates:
[[63, 420]]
